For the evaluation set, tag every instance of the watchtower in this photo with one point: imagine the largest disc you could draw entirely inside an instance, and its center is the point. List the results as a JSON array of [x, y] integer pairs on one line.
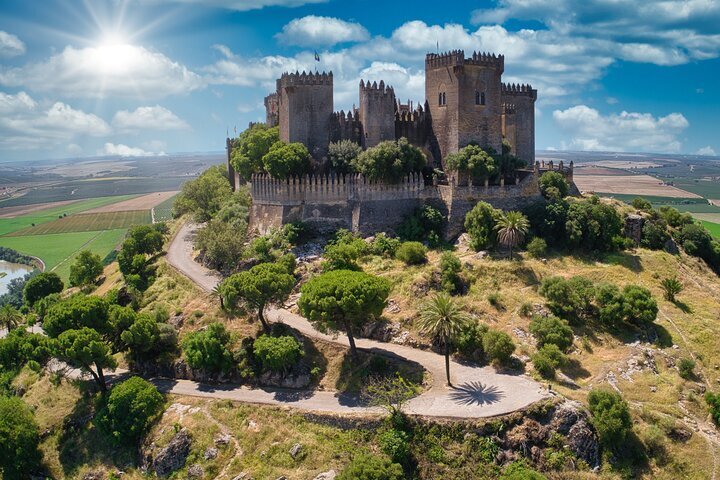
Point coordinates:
[[271, 110], [377, 113], [522, 119], [464, 96], [305, 105]]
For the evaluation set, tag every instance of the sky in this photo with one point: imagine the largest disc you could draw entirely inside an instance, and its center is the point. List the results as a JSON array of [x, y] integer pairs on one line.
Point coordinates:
[[140, 77]]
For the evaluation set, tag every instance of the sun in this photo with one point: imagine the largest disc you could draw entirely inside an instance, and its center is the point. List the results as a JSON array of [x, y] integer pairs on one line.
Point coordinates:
[[114, 54]]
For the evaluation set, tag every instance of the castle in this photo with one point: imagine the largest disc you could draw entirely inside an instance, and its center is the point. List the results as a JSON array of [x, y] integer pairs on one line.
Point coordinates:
[[466, 102]]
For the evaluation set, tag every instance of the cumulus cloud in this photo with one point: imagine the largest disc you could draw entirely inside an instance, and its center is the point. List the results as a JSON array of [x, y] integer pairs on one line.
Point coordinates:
[[321, 31], [10, 45], [26, 124], [589, 130], [707, 151], [148, 118], [121, 150], [105, 71]]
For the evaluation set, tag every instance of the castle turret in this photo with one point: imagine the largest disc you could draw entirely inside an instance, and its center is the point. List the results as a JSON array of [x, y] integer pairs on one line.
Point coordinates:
[[464, 99], [519, 121], [272, 110], [305, 102], [377, 113]]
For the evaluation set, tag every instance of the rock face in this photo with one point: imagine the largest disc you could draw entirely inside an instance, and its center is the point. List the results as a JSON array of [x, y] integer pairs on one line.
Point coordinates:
[[173, 456], [633, 227], [329, 475], [572, 420]]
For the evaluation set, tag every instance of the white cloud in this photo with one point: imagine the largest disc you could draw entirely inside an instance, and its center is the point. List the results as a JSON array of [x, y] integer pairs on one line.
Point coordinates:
[[120, 150], [26, 124], [10, 45], [321, 31], [707, 151], [588, 129], [105, 71], [242, 5], [74, 149], [148, 118]]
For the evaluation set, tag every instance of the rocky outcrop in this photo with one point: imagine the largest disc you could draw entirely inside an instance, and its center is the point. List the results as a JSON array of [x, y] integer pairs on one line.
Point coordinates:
[[633, 227], [572, 420], [172, 457]]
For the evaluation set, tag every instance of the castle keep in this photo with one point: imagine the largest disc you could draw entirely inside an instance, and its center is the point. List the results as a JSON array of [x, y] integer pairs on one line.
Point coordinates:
[[466, 102]]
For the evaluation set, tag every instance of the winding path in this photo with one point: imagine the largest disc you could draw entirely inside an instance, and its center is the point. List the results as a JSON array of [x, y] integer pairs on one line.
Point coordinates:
[[478, 392]]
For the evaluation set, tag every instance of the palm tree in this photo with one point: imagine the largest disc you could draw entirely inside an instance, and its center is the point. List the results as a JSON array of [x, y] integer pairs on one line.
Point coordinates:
[[10, 317], [217, 292], [512, 228], [442, 319]]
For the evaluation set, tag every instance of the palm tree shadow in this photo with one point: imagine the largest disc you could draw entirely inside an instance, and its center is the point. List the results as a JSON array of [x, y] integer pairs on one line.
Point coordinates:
[[475, 393]]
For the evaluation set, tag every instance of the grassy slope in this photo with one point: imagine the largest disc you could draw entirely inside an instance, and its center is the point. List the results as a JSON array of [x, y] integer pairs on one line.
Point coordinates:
[[713, 228], [163, 212], [87, 222], [8, 225]]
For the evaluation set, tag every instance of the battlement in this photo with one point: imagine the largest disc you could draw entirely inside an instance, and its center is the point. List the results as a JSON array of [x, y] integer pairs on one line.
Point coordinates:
[[299, 79], [457, 58], [515, 90], [404, 115], [331, 188], [375, 88]]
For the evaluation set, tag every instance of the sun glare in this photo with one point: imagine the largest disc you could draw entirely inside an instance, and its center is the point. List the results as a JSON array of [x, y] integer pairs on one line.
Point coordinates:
[[114, 54]]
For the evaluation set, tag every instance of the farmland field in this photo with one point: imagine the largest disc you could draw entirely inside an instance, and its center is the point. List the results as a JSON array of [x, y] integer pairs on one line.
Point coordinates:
[[163, 212], [713, 228], [9, 225], [142, 202], [87, 222], [630, 185]]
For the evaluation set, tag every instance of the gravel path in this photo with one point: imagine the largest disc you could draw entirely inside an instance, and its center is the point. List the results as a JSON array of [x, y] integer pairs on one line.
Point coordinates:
[[478, 392]]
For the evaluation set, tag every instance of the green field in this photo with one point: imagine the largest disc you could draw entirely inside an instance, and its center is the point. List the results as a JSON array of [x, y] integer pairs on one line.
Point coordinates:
[[9, 225], [713, 228], [163, 212], [88, 222], [57, 250]]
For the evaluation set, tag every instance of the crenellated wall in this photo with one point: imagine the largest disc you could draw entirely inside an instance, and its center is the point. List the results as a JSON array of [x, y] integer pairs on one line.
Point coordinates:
[[377, 113], [522, 119]]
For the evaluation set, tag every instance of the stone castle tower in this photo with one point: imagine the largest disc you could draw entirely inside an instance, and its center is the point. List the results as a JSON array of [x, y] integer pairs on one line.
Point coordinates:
[[519, 119], [377, 113], [305, 108]]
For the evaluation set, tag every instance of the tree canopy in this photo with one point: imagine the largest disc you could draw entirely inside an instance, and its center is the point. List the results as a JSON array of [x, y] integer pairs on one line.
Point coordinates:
[[85, 349], [480, 225], [342, 154], [285, 160], [204, 196], [77, 312], [554, 186], [129, 410], [42, 285], [86, 269], [19, 439], [390, 161], [474, 161], [209, 349], [251, 146]]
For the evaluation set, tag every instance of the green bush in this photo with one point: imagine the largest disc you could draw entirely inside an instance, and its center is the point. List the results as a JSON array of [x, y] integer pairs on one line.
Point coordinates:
[[209, 349], [713, 401], [284, 160], [496, 300], [593, 226], [686, 368], [537, 247], [19, 347], [640, 203], [277, 354], [520, 471], [343, 255], [204, 196], [469, 342], [40, 286], [390, 161], [480, 225], [371, 467], [611, 418], [526, 309], [570, 299], [129, 410], [655, 232], [424, 224], [19, 439], [551, 331], [384, 246], [450, 268], [474, 161], [498, 346], [555, 181], [412, 253], [548, 359], [342, 154], [395, 444]]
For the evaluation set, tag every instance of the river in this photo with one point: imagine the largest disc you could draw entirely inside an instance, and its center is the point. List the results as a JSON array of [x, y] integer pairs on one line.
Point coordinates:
[[10, 271]]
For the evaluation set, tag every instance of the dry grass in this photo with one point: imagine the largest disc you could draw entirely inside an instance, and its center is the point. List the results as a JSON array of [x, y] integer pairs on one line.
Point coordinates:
[[143, 202], [630, 185]]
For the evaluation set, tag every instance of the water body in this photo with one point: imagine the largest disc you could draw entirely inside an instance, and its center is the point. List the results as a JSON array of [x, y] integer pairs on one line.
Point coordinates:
[[10, 271]]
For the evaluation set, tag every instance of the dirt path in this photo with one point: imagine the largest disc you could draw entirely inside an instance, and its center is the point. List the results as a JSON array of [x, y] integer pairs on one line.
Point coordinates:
[[478, 392]]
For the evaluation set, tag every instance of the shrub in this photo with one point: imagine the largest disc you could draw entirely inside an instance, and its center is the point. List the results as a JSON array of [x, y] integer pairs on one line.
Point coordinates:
[[480, 225], [654, 232], [713, 401], [526, 309], [450, 268], [593, 226], [277, 354], [557, 182], [129, 410], [671, 287], [86, 269], [412, 253], [496, 300], [371, 467], [519, 471], [611, 417], [251, 146], [41, 286], [498, 346], [284, 160], [343, 255], [551, 331], [19, 439], [424, 224], [384, 245], [390, 161], [209, 349], [469, 342], [548, 359], [569, 299], [474, 161], [640, 203], [639, 306], [204, 196], [395, 444], [342, 154], [222, 244], [686, 368], [537, 247]]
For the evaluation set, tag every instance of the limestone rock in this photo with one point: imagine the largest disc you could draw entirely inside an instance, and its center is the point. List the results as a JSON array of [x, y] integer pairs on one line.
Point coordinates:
[[242, 476], [572, 420], [210, 453], [173, 456], [195, 471], [295, 450], [633, 227], [94, 476], [222, 440], [329, 475]]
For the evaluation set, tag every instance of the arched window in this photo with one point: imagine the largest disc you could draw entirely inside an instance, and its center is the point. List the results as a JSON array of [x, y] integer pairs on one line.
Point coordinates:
[[479, 98], [482, 98], [440, 98], [444, 101]]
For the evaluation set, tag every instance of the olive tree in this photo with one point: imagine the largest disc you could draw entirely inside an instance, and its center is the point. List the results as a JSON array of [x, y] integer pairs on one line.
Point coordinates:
[[343, 300]]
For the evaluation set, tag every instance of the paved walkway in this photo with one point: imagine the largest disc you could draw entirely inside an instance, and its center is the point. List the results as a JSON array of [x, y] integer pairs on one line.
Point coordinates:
[[478, 392]]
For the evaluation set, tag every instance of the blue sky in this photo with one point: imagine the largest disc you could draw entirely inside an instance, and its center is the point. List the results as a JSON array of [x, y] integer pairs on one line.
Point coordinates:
[[133, 77]]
